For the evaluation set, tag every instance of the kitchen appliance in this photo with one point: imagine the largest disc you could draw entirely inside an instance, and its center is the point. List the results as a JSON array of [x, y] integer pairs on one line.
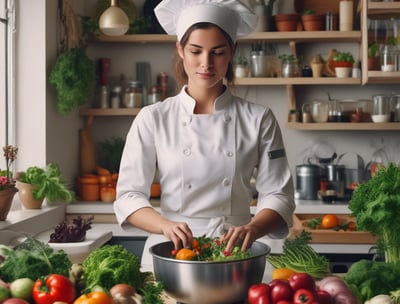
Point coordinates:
[[208, 282], [308, 177]]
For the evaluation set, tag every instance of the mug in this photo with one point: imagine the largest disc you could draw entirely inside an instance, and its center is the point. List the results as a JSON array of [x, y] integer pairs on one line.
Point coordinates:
[[319, 110]]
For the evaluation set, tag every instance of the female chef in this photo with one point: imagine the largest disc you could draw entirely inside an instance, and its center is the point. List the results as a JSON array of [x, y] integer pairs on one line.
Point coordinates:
[[205, 143]]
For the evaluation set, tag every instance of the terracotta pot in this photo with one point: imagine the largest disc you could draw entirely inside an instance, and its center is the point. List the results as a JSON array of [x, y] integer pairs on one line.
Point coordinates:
[[26, 196], [287, 22], [374, 64], [312, 22], [6, 199]]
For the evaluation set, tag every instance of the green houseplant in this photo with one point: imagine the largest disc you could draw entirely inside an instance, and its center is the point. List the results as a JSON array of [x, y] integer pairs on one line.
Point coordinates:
[[40, 183], [343, 59], [312, 21], [373, 56]]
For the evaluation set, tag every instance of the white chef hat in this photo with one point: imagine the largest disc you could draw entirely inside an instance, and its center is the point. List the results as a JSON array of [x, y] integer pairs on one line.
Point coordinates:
[[176, 16]]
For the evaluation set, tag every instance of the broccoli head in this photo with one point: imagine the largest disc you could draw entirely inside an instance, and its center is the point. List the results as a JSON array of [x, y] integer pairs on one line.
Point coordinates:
[[112, 264]]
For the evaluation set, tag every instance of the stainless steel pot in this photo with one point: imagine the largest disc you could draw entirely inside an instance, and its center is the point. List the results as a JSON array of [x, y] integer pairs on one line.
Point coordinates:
[[208, 282]]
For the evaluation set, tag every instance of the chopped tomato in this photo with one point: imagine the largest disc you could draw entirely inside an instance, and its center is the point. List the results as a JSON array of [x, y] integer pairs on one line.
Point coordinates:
[[185, 254]]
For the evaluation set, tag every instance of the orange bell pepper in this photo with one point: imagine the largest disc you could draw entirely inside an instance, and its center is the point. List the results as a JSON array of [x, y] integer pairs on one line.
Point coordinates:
[[94, 297]]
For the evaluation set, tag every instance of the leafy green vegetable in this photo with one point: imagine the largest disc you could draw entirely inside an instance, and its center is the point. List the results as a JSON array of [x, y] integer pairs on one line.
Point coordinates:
[[111, 152], [73, 76], [49, 183], [376, 206], [299, 256], [152, 292], [32, 259], [112, 264], [370, 278]]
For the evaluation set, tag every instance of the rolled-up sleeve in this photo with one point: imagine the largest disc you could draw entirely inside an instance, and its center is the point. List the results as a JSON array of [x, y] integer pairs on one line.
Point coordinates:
[[274, 181]]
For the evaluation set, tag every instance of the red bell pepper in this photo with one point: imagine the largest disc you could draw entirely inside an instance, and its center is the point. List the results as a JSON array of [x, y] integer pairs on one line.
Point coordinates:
[[258, 294], [55, 288]]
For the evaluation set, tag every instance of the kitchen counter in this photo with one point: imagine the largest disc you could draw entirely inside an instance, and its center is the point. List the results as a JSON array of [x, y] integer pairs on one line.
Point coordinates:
[[105, 219]]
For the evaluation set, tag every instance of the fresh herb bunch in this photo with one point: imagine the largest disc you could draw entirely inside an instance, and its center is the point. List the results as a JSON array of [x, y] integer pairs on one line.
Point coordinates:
[[376, 206], [74, 232], [73, 76], [32, 259], [48, 182], [10, 155], [343, 57], [299, 256]]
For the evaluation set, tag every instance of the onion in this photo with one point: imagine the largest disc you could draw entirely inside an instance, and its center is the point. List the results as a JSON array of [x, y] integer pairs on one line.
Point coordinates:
[[338, 289], [123, 294]]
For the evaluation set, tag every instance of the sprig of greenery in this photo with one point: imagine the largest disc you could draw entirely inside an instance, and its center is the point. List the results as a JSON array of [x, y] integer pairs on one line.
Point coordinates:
[[343, 57]]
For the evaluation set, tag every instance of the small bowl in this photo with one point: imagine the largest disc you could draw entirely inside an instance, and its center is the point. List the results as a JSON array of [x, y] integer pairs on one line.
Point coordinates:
[[380, 118]]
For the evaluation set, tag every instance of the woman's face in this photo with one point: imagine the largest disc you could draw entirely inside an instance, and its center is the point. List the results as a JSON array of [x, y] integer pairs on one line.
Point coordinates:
[[206, 56]]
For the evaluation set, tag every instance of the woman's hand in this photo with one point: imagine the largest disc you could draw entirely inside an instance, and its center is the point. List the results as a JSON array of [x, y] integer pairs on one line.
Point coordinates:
[[242, 236], [179, 233]]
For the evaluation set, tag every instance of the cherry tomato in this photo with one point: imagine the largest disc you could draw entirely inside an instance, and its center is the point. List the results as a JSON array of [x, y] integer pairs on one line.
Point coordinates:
[[264, 300], [185, 254], [285, 302], [303, 296], [256, 291], [324, 297], [302, 280], [281, 291]]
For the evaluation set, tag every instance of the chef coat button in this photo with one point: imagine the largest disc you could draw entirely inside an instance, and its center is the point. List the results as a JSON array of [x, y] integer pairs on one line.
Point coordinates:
[[229, 153], [189, 186], [226, 182], [186, 151], [227, 118], [184, 123]]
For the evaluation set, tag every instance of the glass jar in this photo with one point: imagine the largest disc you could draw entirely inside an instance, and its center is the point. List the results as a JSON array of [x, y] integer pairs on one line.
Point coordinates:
[[133, 97], [388, 58], [115, 97], [155, 95]]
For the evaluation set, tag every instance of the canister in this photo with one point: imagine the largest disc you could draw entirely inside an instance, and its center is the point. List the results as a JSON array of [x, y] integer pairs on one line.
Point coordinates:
[[308, 177]]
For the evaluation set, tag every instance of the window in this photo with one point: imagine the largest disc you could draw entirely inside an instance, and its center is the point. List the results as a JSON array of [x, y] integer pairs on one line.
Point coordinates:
[[6, 74]]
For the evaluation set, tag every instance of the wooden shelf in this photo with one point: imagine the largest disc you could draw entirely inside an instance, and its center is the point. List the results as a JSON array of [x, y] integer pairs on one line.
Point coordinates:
[[344, 126], [297, 81], [383, 9], [383, 77], [109, 112], [300, 36]]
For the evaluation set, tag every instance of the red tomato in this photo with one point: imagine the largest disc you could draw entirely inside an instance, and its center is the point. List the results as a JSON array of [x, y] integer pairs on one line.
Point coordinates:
[[55, 288], [281, 291], [256, 291], [264, 300], [324, 297], [285, 302], [302, 281], [303, 296]]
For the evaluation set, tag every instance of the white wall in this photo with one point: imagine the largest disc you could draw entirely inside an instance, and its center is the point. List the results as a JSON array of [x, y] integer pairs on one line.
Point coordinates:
[[44, 135]]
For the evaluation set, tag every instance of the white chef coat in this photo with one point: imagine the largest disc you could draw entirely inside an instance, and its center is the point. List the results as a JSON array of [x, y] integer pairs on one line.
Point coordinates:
[[205, 163]]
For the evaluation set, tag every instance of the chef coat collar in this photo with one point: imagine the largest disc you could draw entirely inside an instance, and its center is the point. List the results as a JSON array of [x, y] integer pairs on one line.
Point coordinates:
[[220, 102]]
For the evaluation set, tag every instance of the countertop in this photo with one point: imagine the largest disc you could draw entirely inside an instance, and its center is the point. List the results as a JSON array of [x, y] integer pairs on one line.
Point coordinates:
[[105, 219]]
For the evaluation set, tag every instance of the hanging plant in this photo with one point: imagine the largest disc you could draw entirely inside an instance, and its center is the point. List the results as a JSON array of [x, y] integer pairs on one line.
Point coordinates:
[[73, 74]]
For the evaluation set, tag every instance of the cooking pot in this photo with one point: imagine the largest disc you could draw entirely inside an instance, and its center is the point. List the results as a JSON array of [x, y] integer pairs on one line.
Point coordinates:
[[208, 282], [308, 177]]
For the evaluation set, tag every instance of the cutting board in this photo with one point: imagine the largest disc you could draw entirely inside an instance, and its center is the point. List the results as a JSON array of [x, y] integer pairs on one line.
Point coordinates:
[[330, 236]]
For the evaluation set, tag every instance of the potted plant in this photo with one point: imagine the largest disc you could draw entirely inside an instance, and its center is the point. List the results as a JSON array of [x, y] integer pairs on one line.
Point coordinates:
[[7, 182], [287, 22], [290, 65], [343, 63], [35, 184], [312, 21], [374, 56], [241, 66]]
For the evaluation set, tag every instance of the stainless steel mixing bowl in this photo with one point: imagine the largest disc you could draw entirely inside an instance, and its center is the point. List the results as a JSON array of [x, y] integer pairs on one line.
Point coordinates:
[[208, 282]]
